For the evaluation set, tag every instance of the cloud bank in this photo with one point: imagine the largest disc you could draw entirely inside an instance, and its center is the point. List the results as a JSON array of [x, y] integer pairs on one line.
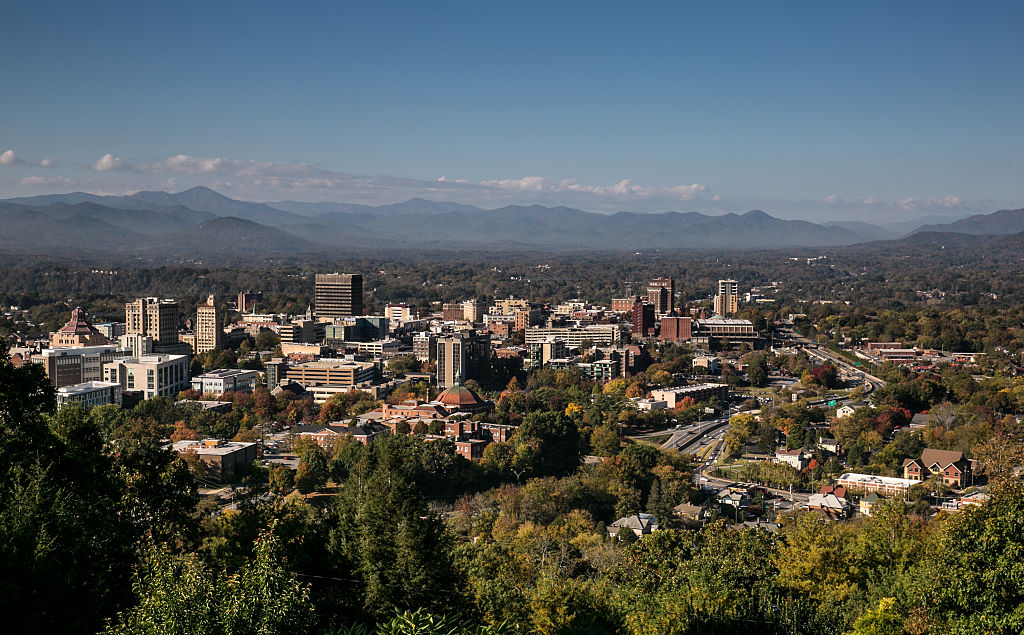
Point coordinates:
[[276, 181]]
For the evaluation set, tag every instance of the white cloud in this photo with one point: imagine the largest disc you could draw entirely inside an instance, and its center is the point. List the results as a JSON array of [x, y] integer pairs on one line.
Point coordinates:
[[35, 181], [274, 181], [8, 157], [109, 162], [622, 190], [530, 183]]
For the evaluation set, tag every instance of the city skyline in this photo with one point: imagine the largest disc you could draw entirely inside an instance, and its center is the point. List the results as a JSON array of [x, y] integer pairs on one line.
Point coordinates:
[[825, 113]]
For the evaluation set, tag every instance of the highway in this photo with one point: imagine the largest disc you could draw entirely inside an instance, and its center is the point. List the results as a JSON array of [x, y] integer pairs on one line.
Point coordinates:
[[687, 436], [870, 381]]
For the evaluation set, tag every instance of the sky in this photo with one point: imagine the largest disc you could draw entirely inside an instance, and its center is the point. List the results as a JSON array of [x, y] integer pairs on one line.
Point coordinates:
[[874, 111]]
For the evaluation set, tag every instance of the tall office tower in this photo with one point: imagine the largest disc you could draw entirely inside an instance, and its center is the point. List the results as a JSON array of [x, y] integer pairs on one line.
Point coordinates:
[[247, 301], [727, 300], [463, 356], [643, 319], [153, 317], [338, 295], [470, 311], [209, 333], [661, 292]]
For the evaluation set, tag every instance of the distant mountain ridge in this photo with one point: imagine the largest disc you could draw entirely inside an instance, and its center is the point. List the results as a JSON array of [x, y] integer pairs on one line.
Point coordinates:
[[1005, 221], [201, 222]]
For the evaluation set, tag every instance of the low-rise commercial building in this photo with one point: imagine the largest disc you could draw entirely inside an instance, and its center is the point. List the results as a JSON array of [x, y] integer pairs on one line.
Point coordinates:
[[89, 394], [224, 380], [71, 365], [700, 392], [333, 372], [152, 375], [867, 483], [220, 460], [596, 334]]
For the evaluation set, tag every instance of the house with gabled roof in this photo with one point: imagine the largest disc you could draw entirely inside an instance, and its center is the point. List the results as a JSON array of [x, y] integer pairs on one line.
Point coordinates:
[[639, 524], [951, 464]]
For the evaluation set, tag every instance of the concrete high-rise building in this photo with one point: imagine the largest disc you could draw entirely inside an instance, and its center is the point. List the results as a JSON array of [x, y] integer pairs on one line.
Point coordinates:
[[471, 311], [727, 301], [209, 332], [153, 317], [463, 356], [422, 344], [338, 295], [397, 313], [508, 306], [543, 352], [661, 292], [247, 301]]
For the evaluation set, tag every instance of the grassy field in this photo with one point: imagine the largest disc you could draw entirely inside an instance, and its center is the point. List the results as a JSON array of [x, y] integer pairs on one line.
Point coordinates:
[[657, 439]]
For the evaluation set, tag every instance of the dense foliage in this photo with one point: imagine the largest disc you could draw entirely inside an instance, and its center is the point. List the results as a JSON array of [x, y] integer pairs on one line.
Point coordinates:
[[101, 528]]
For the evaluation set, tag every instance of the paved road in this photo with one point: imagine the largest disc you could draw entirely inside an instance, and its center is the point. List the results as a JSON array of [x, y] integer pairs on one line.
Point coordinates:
[[686, 436], [843, 365]]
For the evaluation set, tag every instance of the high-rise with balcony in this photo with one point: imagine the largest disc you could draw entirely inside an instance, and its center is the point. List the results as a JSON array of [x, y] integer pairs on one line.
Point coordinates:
[[209, 332], [727, 300], [463, 356], [338, 295]]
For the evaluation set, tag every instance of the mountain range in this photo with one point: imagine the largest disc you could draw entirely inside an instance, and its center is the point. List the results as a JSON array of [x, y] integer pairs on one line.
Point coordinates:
[[201, 223]]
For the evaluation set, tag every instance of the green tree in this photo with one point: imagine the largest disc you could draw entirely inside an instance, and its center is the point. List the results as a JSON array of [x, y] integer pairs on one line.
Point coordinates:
[[385, 535], [604, 441], [312, 472], [65, 547], [267, 340], [977, 588], [281, 478], [178, 594], [757, 368], [554, 440]]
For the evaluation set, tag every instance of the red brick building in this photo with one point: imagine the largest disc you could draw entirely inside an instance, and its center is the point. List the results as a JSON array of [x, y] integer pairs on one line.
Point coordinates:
[[676, 329]]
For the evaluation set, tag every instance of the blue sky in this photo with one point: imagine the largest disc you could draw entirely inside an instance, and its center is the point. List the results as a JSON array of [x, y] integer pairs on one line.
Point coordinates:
[[815, 110]]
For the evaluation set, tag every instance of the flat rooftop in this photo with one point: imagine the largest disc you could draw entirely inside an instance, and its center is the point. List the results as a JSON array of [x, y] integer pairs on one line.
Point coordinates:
[[222, 448], [853, 477], [88, 386]]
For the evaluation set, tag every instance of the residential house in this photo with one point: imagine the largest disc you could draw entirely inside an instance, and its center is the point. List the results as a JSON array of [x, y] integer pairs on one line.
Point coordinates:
[[844, 410], [690, 513], [640, 524], [951, 464], [832, 505], [869, 501], [795, 458], [829, 445]]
